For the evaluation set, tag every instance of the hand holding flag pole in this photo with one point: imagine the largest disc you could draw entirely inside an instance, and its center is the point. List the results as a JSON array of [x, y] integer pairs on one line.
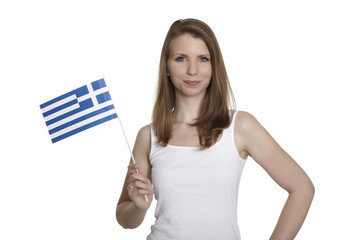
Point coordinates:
[[79, 110]]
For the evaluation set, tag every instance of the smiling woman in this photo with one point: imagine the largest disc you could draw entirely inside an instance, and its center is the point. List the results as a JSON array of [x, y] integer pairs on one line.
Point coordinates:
[[189, 67]]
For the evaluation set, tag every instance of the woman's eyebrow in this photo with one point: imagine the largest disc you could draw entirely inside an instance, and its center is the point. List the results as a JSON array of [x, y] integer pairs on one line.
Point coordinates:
[[204, 55], [185, 55], [179, 54]]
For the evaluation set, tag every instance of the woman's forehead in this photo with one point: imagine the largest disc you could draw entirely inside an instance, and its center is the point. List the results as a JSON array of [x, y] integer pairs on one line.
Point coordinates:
[[188, 44]]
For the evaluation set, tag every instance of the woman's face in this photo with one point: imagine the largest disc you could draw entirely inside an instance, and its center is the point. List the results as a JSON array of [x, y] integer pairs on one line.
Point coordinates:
[[189, 66]]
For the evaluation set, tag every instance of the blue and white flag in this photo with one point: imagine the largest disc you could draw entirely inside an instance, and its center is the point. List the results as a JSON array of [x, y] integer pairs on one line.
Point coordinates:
[[78, 110]]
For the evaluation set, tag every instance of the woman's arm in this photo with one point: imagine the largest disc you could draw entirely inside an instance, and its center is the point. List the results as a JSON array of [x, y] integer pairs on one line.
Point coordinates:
[[253, 140], [132, 205]]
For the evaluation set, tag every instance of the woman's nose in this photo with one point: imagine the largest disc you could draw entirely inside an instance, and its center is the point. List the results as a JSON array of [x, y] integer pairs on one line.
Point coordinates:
[[192, 69]]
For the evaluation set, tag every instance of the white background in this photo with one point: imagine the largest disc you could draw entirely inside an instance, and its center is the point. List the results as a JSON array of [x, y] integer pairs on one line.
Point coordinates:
[[287, 66]]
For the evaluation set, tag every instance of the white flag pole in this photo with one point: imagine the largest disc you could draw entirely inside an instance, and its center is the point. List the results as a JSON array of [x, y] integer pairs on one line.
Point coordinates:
[[126, 139]]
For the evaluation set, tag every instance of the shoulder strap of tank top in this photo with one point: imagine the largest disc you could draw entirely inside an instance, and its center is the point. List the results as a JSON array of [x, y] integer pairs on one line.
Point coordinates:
[[233, 116]]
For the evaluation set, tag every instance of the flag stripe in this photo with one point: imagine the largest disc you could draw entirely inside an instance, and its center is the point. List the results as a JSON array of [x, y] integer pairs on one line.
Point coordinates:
[[82, 118], [64, 114], [61, 102], [59, 108], [103, 97], [98, 84], [84, 127]]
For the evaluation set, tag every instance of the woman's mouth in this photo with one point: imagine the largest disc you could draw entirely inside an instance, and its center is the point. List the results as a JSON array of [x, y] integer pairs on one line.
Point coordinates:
[[192, 83]]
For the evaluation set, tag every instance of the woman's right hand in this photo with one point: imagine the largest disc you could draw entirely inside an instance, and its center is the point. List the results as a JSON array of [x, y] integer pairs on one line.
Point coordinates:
[[139, 188]]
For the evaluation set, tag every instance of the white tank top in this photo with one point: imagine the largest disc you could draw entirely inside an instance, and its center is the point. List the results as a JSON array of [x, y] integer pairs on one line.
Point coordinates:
[[196, 190]]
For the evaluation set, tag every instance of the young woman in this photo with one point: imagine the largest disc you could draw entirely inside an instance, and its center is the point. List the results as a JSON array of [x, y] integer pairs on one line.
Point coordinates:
[[194, 151]]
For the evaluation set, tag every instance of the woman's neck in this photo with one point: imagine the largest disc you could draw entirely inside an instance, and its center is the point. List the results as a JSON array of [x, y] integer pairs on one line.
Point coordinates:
[[186, 109]]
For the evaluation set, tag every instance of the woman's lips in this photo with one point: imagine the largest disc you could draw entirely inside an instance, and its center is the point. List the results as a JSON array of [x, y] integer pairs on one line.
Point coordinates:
[[192, 83]]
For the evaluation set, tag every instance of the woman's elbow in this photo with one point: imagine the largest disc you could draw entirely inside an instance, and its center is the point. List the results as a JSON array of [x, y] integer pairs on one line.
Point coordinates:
[[311, 189], [306, 189]]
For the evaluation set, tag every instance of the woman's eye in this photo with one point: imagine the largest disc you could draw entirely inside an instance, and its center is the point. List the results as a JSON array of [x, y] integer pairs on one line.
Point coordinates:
[[181, 59], [203, 59]]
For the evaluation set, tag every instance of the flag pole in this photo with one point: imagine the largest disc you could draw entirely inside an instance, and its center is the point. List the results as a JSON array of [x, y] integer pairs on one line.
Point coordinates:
[[126, 139]]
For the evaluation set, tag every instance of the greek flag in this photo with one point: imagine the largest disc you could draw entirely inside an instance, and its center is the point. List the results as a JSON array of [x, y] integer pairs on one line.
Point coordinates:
[[78, 110]]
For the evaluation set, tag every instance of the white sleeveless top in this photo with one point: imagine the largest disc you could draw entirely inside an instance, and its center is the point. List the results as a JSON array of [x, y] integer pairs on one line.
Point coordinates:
[[196, 190]]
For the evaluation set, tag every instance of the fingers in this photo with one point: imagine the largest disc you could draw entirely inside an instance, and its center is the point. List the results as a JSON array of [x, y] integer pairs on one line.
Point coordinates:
[[139, 187], [139, 177], [143, 188], [137, 182], [141, 183]]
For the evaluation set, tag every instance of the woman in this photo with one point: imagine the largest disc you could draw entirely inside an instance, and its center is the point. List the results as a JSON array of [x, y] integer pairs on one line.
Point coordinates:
[[195, 150]]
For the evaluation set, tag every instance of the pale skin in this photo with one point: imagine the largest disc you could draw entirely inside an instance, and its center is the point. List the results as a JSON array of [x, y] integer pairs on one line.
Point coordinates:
[[190, 71]]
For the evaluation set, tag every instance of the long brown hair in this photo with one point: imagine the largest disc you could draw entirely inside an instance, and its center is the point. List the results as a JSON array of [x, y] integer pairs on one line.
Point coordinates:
[[214, 113]]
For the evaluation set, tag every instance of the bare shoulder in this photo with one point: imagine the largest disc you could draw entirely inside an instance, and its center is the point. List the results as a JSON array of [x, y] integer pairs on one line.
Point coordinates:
[[143, 141], [246, 125], [144, 134], [245, 122]]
